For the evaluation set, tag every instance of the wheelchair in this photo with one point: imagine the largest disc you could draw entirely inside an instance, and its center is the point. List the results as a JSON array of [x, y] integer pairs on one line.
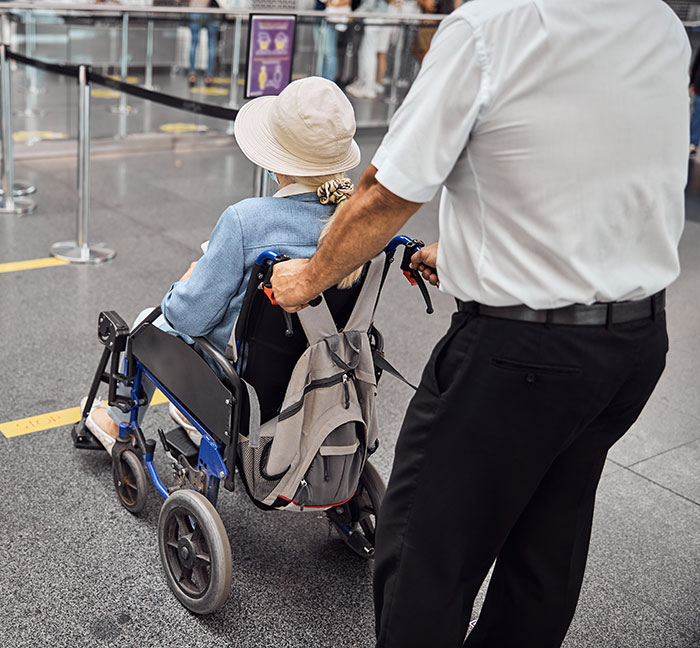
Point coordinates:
[[193, 544]]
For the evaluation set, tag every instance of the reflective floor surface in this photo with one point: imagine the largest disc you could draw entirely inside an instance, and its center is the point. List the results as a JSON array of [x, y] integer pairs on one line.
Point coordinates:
[[76, 569]]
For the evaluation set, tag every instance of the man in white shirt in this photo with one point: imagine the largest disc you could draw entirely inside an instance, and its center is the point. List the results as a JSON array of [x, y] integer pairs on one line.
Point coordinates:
[[559, 137]]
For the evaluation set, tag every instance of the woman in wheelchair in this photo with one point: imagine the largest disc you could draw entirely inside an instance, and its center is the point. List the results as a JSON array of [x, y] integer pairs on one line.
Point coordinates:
[[304, 138]]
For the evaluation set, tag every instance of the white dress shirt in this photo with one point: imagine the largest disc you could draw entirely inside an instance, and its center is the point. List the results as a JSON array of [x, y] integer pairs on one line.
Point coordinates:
[[558, 130]]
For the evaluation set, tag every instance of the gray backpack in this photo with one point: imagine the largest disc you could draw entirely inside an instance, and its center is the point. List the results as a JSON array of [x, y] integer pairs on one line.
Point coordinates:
[[312, 454]]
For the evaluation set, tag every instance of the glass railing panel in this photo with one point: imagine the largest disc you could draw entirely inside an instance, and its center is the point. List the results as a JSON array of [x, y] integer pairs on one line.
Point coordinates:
[[158, 55]]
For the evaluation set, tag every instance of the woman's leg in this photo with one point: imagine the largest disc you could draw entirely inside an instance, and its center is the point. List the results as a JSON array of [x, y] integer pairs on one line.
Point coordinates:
[[212, 40], [330, 55], [194, 42], [108, 419], [695, 122], [367, 61]]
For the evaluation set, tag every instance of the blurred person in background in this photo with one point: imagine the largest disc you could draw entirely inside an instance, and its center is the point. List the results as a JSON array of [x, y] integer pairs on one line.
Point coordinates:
[[428, 28], [373, 50], [326, 34], [695, 106], [211, 24]]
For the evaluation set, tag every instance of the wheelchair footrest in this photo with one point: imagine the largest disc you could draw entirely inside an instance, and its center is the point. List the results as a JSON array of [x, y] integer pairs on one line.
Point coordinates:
[[178, 443], [84, 439]]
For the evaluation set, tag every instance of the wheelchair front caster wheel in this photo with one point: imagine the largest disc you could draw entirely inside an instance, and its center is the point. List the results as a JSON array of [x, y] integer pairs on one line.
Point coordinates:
[[195, 551], [130, 481], [356, 520]]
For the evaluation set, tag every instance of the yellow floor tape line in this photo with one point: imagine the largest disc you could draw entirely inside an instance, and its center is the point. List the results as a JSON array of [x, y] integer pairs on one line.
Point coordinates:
[[33, 264], [54, 419]]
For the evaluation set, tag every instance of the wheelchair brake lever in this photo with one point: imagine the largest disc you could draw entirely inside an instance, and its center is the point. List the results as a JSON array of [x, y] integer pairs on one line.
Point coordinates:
[[413, 275]]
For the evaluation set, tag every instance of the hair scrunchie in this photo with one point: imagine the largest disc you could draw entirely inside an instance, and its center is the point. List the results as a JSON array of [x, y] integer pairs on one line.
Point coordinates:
[[335, 191]]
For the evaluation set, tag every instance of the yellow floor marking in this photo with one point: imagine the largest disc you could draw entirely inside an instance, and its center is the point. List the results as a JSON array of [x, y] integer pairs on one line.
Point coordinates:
[[183, 128], [105, 94], [217, 92], [129, 79], [33, 264], [32, 136], [221, 80], [54, 419]]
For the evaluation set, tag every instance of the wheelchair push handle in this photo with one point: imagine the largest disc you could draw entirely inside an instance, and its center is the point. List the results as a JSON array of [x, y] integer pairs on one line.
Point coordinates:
[[268, 259]]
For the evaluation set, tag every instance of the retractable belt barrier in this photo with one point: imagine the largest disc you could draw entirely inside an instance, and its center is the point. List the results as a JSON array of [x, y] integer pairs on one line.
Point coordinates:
[[196, 107], [78, 251]]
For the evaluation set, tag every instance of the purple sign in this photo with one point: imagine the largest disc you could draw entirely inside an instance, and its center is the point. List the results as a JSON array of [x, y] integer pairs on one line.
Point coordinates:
[[270, 51]]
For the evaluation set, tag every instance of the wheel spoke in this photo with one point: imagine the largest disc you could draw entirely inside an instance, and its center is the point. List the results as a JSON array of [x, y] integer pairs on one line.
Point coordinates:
[[173, 544], [201, 578], [182, 526], [203, 558], [185, 577]]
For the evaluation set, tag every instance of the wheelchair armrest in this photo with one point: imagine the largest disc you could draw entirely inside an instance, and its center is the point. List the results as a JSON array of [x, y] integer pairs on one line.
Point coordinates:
[[222, 362]]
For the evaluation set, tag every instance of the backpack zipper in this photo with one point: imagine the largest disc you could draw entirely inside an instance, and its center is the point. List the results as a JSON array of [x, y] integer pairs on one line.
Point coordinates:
[[347, 391], [314, 384]]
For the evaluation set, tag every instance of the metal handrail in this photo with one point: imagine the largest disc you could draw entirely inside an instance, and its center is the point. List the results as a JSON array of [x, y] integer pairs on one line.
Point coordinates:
[[118, 10]]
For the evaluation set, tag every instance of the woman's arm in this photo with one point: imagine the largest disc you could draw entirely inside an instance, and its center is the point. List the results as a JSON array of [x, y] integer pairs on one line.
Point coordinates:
[[197, 303]]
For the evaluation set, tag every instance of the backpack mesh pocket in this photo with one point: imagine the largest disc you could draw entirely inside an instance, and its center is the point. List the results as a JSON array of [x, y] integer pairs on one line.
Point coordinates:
[[252, 461]]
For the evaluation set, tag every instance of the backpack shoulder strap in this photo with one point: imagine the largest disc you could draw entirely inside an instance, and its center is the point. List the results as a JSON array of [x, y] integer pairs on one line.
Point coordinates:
[[362, 315], [317, 322]]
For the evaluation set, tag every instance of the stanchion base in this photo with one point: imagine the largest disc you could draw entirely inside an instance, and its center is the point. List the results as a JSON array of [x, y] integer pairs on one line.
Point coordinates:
[[20, 189], [123, 110], [29, 112], [21, 207], [71, 251]]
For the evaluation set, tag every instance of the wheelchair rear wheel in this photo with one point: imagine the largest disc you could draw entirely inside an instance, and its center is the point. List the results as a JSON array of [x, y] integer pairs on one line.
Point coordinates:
[[356, 520], [195, 551], [132, 486]]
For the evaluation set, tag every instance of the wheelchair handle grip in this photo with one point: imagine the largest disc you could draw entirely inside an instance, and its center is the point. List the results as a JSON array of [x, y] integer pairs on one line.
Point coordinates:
[[270, 258], [412, 274]]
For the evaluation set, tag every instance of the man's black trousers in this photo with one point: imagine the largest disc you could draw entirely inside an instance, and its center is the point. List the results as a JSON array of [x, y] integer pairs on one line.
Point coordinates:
[[499, 458]]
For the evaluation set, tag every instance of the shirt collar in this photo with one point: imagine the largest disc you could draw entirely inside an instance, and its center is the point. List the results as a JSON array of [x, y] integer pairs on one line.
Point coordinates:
[[293, 189]]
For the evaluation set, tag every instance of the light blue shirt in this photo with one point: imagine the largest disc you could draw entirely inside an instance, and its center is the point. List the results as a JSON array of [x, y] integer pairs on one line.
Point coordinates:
[[208, 302]]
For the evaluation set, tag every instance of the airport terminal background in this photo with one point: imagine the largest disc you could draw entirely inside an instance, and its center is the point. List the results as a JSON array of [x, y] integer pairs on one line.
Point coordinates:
[[76, 569]]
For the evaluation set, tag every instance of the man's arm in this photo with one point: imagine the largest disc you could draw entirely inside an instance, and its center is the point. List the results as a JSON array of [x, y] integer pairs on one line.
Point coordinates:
[[361, 230]]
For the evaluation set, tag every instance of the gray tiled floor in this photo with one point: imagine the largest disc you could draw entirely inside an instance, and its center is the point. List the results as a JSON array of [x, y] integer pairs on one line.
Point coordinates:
[[76, 569]]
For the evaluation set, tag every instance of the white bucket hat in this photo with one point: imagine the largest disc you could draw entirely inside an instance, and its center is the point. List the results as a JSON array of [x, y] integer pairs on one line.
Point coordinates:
[[306, 130]]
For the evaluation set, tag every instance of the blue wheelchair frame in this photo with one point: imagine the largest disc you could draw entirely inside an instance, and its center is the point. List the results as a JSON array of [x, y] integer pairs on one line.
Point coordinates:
[[210, 460], [216, 410]]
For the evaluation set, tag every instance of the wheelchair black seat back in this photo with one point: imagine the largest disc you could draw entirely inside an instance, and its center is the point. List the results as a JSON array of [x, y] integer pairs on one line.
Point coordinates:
[[271, 342], [194, 547]]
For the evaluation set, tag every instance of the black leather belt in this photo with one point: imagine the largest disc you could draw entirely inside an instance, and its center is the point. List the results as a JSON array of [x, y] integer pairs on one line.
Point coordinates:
[[598, 314]]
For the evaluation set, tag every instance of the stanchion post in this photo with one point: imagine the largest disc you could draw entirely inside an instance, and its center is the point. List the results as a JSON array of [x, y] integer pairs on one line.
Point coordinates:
[[398, 53], [321, 43], [80, 251], [11, 202], [149, 55], [123, 108], [235, 65], [261, 182]]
